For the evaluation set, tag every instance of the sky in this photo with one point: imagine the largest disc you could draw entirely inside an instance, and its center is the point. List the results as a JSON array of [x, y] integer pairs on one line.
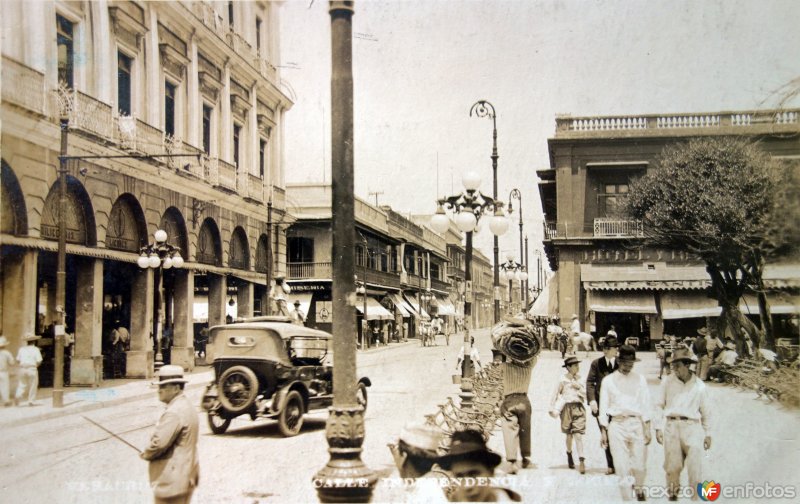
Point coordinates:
[[419, 66]]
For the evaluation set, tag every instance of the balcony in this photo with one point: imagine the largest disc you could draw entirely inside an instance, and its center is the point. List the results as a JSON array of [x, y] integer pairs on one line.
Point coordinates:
[[742, 122], [255, 187], [609, 227], [550, 230], [227, 175], [86, 113], [23, 86], [309, 270]]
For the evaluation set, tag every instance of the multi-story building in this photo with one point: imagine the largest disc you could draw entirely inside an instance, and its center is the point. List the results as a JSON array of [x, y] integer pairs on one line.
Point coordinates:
[[603, 275], [129, 82], [403, 263]]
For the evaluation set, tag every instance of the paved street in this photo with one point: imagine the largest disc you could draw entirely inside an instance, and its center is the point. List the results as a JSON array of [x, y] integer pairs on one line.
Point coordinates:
[[68, 459]]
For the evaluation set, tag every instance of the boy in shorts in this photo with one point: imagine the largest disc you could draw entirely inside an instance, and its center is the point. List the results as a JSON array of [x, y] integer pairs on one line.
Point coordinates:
[[568, 404]]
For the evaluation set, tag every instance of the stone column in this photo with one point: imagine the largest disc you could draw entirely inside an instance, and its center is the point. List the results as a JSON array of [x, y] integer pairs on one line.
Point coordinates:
[[19, 297], [139, 362], [244, 299], [183, 305], [217, 289], [87, 362]]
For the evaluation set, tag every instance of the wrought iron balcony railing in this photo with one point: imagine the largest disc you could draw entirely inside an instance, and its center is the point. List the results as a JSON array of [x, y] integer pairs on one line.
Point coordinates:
[[609, 227], [23, 86], [307, 270]]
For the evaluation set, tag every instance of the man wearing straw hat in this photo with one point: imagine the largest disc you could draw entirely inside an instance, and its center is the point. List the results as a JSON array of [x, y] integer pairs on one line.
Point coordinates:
[[172, 451], [6, 361], [625, 415], [682, 422], [29, 358]]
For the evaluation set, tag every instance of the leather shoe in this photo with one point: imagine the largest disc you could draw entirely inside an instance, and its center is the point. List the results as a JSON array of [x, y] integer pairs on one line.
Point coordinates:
[[526, 462], [509, 467], [610, 470], [640, 496]]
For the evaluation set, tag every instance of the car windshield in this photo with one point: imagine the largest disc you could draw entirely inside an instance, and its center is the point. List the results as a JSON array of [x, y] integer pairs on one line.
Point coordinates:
[[308, 349]]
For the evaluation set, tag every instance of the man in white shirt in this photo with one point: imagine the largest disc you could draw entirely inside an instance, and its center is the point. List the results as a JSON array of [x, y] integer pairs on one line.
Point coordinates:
[[682, 407], [29, 358], [625, 416], [725, 360]]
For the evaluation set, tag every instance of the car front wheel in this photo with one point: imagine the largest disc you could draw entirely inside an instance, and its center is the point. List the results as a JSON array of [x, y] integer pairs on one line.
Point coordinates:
[[290, 420]]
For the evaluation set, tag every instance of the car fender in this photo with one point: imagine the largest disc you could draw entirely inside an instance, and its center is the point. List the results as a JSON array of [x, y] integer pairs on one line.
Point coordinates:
[[279, 399]]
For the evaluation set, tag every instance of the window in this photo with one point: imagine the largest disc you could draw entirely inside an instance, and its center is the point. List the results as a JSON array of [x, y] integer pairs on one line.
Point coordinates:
[[262, 158], [207, 129], [237, 131], [258, 35], [435, 271], [230, 15], [301, 249], [169, 108], [611, 199], [66, 50], [124, 65]]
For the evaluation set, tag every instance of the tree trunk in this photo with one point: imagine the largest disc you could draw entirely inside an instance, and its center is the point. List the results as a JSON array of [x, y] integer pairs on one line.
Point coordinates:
[[767, 333], [728, 289]]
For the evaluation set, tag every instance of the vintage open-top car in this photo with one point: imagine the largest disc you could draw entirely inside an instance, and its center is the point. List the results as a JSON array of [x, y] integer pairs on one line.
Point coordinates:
[[270, 369]]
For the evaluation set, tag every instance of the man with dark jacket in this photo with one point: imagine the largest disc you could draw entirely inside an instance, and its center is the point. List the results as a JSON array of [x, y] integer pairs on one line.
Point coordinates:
[[700, 349], [599, 369]]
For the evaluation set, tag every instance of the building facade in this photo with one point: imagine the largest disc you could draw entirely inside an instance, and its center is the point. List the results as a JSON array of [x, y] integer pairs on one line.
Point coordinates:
[[603, 275], [128, 83]]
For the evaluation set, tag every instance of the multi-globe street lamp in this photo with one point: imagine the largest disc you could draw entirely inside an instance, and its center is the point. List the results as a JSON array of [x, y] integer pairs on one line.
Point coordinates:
[[512, 270], [159, 256], [483, 108], [515, 194], [469, 206]]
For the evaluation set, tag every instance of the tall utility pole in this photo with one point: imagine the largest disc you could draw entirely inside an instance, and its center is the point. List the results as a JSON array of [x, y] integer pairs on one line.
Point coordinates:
[[345, 478], [61, 271], [376, 194], [268, 309]]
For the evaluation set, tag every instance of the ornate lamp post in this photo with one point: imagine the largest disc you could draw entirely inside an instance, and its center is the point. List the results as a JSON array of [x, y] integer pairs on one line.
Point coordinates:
[[515, 194], [159, 256], [538, 254], [361, 290], [469, 207], [512, 270]]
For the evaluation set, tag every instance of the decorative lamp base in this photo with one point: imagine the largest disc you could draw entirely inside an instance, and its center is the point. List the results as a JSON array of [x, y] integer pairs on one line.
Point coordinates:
[[345, 478]]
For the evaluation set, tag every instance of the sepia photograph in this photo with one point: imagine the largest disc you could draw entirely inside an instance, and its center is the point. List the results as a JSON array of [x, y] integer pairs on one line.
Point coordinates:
[[399, 251]]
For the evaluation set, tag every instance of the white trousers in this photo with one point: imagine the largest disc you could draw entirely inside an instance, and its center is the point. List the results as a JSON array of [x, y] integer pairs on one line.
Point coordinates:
[[28, 382], [4, 387], [683, 445], [626, 441]]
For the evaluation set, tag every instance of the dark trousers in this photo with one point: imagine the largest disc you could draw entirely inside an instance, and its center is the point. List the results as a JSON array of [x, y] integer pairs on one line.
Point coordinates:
[[609, 458], [516, 412]]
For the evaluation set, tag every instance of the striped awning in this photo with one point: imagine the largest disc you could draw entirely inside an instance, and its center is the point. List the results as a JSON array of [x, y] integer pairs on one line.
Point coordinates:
[[681, 304], [621, 302], [400, 305], [445, 306], [375, 310]]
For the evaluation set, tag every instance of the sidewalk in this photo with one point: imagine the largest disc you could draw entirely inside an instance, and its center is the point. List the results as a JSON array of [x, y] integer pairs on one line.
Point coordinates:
[[81, 399]]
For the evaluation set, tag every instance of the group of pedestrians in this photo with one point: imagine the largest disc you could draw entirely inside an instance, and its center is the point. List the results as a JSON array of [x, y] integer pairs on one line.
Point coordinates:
[[29, 358]]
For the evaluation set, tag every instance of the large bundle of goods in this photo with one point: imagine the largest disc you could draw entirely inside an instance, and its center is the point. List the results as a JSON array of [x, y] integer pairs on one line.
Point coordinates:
[[517, 339]]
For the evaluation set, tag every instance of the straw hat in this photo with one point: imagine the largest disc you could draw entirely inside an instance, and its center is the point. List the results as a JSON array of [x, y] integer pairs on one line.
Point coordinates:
[[683, 354], [31, 337], [3, 342], [570, 361], [170, 374]]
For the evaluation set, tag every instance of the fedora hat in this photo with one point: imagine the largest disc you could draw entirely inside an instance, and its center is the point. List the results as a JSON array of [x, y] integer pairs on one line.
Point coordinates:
[[610, 342], [31, 337], [469, 445], [683, 354], [421, 439], [574, 315], [297, 302], [570, 361], [3, 342], [703, 331], [730, 345], [170, 374], [627, 353]]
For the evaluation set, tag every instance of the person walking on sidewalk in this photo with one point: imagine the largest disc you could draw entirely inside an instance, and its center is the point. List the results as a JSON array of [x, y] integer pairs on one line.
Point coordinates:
[[625, 414], [172, 451], [700, 349], [6, 363], [29, 358], [682, 423], [516, 413], [474, 359], [599, 369], [568, 403]]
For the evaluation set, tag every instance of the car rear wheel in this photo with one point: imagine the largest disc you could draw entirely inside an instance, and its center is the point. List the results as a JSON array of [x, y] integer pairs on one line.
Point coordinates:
[[361, 395], [290, 420], [238, 388], [217, 423]]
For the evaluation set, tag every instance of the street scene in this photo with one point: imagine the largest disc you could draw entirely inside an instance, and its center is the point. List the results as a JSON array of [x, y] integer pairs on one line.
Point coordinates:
[[399, 251]]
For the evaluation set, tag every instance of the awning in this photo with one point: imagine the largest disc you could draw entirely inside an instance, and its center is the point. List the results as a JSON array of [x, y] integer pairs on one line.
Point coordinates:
[[416, 310], [621, 302], [400, 305], [541, 304], [779, 304], [303, 297], [375, 311], [445, 306], [688, 304]]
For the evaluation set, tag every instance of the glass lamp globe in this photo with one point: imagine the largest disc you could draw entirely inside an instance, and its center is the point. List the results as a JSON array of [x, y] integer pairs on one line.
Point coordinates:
[[466, 221], [155, 261], [523, 276], [503, 275], [160, 236], [509, 256], [143, 261], [440, 222], [498, 224], [177, 260], [471, 181], [166, 263]]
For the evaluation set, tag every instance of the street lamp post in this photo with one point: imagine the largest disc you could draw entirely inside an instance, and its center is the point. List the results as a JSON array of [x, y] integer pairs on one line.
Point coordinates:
[[469, 207], [362, 289], [512, 270], [517, 195], [159, 256], [483, 108]]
